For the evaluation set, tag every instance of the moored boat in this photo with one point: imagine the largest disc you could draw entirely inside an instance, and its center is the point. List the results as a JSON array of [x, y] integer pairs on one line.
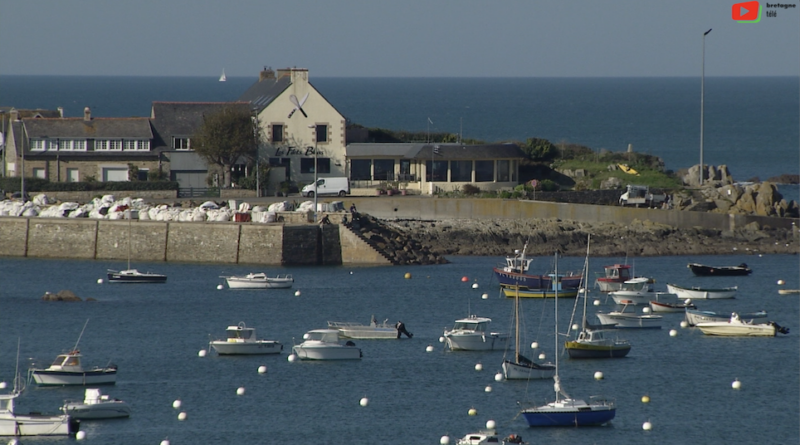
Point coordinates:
[[694, 317], [703, 293], [630, 320], [664, 307], [134, 276], [708, 271], [637, 291], [736, 327], [241, 340], [472, 334], [66, 370], [13, 424], [373, 330], [511, 292], [613, 277], [96, 405], [515, 273], [323, 344], [259, 280], [519, 366]]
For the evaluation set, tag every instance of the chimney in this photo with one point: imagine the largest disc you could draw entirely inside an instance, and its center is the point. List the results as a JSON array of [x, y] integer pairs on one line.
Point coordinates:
[[265, 74], [14, 115], [87, 114], [284, 72], [61, 112]]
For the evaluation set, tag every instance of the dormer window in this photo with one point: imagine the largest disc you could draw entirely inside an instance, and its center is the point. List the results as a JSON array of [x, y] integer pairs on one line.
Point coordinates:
[[181, 143]]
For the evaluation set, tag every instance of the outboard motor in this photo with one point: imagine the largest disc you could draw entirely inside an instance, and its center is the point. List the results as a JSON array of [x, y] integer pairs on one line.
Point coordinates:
[[779, 328], [73, 426], [401, 329]]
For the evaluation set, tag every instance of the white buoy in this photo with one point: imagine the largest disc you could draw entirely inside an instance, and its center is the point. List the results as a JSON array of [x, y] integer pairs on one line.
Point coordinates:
[[684, 324], [202, 353], [297, 293], [598, 375], [364, 401], [541, 356], [575, 327], [596, 302], [474, 285], [781, 282], [645, 399], [176, 404], [687, 301], [472, 412], [478, 367], [182, 415], [647, 426], [490, 424], [13, 442], [488, 388], [240, 391], [3, 385], [485, 296], [292, 357], [165, 442], [441, 339], [498, 377], [80, 435], [99, 281], [646, 310], [445, 440], [262, 369], [736, 384], [534, 345], [673, 333], [220, 287], [429, 348]]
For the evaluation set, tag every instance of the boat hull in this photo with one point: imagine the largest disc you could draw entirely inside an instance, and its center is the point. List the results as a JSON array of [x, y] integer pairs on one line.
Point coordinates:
[[37, 425], [534, 282], [630, 321], [259, 347], [116, 277], [476, 342], [697, 293], [666, 308], [332, 352], [569, 414], [522, 371], [694, 317], [577, 349], [102, 410], [44, 377], [706, 271], [270, 283], [727, 329], [539, 293], [368, 333]]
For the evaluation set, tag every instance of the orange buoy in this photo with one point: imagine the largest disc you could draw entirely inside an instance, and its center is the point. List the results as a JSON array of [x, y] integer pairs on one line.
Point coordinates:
[[464, 279]]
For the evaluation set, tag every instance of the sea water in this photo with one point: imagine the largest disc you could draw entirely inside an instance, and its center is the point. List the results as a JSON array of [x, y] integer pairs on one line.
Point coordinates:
[[154, 332], [750, 123]]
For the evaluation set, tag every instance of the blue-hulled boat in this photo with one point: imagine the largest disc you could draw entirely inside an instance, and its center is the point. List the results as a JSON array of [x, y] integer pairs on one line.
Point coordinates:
[[515, 274]]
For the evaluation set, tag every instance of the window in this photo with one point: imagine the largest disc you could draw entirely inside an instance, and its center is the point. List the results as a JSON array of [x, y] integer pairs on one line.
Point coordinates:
[[461, 171], [115, 145], [101, 145], [181, 143], [514, 170], [439, 171], [38, 144], [39, 173], [143, 145], [361, 169], [79, 145], [73, 175], [307, 165], [277, 133], [484, 171], [384, 169], [141, 175], [128, 144], [64, 145], [322, 133], [503, 167]]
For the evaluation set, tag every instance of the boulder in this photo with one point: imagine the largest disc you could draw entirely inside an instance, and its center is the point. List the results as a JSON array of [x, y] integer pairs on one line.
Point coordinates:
[[62, 295]]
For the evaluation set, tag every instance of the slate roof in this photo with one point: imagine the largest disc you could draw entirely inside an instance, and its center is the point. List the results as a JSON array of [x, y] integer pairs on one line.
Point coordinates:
[[78, 128], [182, 119], [263, 92], [452, 152]]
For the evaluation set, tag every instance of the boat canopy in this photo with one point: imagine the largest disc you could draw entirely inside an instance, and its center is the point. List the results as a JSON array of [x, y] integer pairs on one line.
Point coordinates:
[[471, 325], [618, 271], [323, 335], [71, 359]]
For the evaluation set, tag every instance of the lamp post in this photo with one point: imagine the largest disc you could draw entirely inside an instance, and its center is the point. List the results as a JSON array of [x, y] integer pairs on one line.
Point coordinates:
[[315, 171], [702, 98]]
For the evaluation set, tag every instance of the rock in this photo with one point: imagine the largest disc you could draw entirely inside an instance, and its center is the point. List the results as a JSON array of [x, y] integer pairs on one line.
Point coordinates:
[[63, 295]]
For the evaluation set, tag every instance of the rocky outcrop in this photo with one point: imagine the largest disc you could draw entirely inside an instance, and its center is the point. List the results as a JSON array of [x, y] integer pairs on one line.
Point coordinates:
[[62, 295], [761, 199], [398, 247], [715, 176]]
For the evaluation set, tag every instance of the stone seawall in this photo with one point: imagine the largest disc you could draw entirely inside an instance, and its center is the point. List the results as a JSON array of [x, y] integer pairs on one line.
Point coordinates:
[[209, 242]]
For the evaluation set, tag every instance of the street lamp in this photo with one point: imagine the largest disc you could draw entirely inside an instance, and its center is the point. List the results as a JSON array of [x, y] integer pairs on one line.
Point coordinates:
[[315, 171], [702, 97]]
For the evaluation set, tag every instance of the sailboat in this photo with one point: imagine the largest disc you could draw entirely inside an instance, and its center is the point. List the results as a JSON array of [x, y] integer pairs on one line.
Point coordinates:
[[522, 367], [566, 411], [591, 341], [133, 275], [223, 78]]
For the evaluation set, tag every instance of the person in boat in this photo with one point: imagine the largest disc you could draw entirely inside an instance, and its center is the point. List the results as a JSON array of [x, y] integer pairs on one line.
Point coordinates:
[[373, 323], [401, 329], [513, 438]]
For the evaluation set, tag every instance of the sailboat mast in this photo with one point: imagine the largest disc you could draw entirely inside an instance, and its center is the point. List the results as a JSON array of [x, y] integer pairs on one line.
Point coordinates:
[[130, 229], [556, 385], [585, 282], [516, 320]]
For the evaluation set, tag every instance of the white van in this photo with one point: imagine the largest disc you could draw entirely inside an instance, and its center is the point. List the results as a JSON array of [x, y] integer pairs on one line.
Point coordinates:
[[327, 186]]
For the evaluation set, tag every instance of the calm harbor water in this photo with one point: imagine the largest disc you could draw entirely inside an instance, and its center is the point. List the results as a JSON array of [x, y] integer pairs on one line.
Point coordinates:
[[153, 332]]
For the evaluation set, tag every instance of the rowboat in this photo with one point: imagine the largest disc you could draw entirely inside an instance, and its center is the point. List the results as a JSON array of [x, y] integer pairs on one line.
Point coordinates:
[[259, 281], [662, 307], [705, 271], [702, 293]]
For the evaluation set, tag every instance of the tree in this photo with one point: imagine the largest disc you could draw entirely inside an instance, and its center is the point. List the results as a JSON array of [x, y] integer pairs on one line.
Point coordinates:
[[227, 136]]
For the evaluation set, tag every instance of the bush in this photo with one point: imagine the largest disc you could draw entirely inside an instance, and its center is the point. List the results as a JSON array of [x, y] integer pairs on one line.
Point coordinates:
[[505, 194], [469, 189], [548, 185]]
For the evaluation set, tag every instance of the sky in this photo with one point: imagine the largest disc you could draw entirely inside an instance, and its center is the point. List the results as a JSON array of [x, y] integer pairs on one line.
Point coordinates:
[[398, 38]]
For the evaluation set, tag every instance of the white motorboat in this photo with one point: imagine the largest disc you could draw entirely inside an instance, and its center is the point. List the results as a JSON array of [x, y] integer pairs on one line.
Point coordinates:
[[472, 334], [259, 281], [323, 344], [701, 293], [636, 291], [96, 405], [67, 370], [242, 340], [373, 330], [736, 327], [630, 320], [486, 437], [694, 317], [12, 424]]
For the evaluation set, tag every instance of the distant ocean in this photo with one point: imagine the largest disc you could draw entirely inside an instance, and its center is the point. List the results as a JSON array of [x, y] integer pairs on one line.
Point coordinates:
[[752, 125]]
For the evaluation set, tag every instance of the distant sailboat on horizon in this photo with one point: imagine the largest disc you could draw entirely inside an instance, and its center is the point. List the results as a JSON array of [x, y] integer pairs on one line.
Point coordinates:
[[223, 78]]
